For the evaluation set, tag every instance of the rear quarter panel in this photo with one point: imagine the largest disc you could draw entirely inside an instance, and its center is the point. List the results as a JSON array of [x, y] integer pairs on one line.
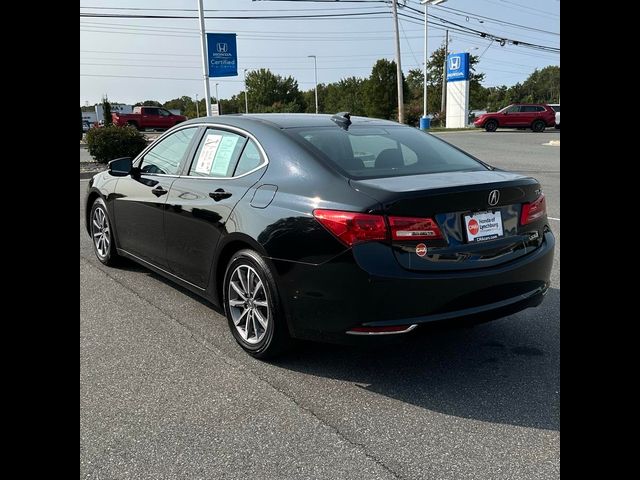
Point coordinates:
[[286, 228]]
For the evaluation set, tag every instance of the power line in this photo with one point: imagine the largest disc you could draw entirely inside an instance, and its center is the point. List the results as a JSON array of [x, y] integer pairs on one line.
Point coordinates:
[[198, 67], [235, 17], [522, 8], [244, 56], [155, 9], [477, 33], [490, 19], [164, 78], [530, 8]]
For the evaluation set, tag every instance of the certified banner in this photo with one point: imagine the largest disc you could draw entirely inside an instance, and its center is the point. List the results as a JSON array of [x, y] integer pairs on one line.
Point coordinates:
[[222, 55]]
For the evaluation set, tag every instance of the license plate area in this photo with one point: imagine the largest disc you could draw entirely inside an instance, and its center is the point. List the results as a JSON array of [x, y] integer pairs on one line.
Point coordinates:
[[483, 226]]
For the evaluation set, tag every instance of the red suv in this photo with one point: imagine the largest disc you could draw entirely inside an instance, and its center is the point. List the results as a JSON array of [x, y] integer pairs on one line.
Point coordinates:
[[518, 115]]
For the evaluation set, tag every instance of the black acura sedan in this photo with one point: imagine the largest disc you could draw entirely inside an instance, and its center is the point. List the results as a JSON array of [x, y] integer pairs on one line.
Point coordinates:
[[324, 226]]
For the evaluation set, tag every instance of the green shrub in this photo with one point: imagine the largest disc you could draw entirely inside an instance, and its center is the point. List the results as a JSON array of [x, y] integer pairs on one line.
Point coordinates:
[[111, 142]]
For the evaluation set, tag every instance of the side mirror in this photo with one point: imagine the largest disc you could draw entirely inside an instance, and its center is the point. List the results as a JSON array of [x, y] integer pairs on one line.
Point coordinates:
[[121, 167]]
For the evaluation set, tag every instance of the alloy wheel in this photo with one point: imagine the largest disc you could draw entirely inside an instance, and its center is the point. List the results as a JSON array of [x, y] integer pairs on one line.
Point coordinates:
[[248, 304], [101, 232]]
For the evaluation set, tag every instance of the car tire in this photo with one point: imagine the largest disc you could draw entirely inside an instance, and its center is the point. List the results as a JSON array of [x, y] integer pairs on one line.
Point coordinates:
[[133, 124], [102, 233], [557, 126], [491, 126], [252, 306], [538, 126]]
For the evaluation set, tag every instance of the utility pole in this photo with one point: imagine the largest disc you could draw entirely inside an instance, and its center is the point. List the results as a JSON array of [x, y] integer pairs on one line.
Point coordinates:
[[443, 103], [398, 64], [246, 101], [205, 70], [424, 70], [315, 69], [197, 108]]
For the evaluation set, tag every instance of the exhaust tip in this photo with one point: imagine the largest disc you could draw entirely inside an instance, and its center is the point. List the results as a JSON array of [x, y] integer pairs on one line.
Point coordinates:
[[381, 330]]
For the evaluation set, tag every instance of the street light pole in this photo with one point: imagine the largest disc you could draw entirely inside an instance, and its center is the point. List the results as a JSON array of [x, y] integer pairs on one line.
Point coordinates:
[[217, 100], [424, 122], [203, 38], [315, 69], [246, 101]]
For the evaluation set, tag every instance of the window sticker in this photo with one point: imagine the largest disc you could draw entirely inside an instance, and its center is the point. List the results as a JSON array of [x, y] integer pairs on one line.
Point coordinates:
[[223, 156], [208, 153]]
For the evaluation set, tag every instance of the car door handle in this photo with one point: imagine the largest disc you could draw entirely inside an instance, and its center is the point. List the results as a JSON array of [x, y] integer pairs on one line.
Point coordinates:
[[159, 191], [219, 194]]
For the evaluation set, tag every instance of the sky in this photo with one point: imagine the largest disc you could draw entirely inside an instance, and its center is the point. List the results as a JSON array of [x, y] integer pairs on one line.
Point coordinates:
[[136, 59]]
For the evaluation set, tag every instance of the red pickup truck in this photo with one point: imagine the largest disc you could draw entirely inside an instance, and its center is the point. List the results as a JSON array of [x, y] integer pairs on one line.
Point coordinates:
[[147, 117]]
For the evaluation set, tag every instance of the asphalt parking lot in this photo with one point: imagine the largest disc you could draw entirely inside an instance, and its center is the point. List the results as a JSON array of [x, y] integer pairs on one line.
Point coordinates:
[[166, 393]]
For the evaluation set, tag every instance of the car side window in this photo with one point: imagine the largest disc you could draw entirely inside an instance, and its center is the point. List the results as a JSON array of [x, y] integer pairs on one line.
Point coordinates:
[[540, 109], [165, 157], [150, 111], [217, 154], [249, 159], [163, 112], [513, 109]]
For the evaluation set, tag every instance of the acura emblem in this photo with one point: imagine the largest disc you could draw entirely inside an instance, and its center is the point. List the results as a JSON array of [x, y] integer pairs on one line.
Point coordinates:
[[494, 197]]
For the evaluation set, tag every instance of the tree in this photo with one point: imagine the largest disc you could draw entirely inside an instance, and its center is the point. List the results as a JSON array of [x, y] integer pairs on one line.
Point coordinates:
[[148, 103], [381, 91], [496, 98], [347, 95], [414, 106], [273, 93], [234, 105], [309, 98], [542, 86], [106, 109]]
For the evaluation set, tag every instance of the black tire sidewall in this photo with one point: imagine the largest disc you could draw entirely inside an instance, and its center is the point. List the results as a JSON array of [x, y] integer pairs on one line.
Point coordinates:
[[111, 256], [491, 126], [277, 333], [537, 123]]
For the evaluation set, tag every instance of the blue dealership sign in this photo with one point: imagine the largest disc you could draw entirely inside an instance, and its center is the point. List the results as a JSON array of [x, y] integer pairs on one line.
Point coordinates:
[[222, 55], [457, 67]]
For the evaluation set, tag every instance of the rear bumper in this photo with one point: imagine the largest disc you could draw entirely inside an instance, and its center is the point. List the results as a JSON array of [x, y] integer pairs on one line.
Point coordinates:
[[365, 286]]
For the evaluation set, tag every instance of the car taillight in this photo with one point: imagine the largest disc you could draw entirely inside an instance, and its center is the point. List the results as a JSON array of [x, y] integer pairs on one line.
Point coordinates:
[[352, 227], [410, 228], [533, 211]]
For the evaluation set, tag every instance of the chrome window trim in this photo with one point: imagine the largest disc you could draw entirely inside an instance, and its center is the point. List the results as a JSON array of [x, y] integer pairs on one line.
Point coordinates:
[[136, 161], [220, 126], [239, 131]]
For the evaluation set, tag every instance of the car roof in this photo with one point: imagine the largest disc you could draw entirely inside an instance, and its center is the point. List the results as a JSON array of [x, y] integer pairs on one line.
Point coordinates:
[[287, 120]]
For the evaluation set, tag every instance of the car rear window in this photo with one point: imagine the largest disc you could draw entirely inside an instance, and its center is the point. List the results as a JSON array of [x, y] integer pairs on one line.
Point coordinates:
[[374, 152]]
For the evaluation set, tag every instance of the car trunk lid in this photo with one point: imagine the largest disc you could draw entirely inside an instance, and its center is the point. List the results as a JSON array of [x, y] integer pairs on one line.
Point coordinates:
[[477, 229]]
